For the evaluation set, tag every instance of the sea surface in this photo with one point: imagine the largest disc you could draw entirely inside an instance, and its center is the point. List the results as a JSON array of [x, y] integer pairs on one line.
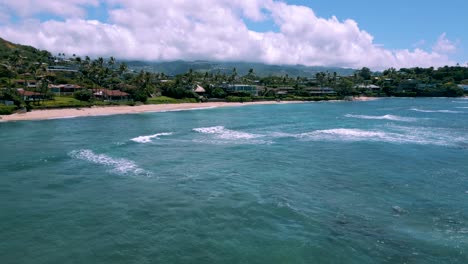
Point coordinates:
[[382, 181]]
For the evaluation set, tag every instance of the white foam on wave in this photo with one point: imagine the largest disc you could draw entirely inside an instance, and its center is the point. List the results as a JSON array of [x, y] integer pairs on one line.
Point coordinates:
[[119, 166], [384, 117], [463, 107], [148, 139], [62, 117], [223, 133], [435, 111], [397, 134], [344, 134], [432, 135]]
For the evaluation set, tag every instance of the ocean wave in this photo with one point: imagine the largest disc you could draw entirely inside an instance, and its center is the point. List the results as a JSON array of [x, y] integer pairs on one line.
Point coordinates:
[[344, 134], [435, 111], [119, 166], [399, 135], [223, 133], [148, 139], [384, 117], [463, 107]]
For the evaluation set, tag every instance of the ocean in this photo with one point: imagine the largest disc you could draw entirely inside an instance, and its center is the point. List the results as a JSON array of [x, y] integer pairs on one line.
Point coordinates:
[[383, 181]]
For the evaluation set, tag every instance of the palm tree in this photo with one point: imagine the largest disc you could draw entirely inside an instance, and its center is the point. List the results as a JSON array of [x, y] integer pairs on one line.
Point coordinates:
[[111, 62], [122, 68]]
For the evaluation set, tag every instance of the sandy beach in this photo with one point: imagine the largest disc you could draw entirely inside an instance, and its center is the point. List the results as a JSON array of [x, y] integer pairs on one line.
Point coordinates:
[[119, 110], [365, 98]]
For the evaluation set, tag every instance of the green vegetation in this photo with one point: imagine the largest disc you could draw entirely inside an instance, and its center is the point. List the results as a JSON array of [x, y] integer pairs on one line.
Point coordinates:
[[61, 102], [35, 79], [169, 100], [6, 109]]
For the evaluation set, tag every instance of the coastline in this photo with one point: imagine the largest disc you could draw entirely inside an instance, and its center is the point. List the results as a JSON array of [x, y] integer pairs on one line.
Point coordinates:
[[121, 110], [64, 113]]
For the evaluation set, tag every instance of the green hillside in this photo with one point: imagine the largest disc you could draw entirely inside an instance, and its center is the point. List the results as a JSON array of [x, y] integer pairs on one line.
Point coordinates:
[[242, 68], [10, 51]]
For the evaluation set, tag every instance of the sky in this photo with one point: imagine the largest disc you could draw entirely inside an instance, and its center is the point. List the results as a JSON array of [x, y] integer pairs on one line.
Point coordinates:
[[343, 33]]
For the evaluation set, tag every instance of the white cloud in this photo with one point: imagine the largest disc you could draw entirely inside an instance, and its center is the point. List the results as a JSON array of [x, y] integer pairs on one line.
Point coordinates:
[[216, 30], [68, 8], [444, 45]]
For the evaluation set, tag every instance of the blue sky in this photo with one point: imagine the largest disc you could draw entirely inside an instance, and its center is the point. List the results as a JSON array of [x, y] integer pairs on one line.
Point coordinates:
[[388, 34], [399, 24]]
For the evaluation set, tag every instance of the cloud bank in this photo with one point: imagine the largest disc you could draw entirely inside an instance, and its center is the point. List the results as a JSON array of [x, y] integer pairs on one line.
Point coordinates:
[[208, 30]]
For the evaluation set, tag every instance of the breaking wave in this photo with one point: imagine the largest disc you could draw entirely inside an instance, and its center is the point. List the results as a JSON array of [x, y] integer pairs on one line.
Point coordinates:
[[119, 166], [223, 135], [384, 117], [435, 111], [148, 139], [398, 135]]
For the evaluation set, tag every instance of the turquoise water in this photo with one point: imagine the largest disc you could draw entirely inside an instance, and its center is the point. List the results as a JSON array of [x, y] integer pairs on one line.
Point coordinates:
[[383, 181]]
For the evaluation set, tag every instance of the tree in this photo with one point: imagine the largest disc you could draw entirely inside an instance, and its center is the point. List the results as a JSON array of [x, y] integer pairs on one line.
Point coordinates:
[[320, 76], [83, 95], [345, 87], [218, 93], [365, 73]]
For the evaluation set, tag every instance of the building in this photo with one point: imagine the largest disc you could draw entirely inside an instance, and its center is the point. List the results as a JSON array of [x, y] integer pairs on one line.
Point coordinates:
[[26, 83], [369, 87], [198, 89], [65, 89], [421, 86], [239, 88], [58, 68], [111, 95], [320, 91], [409, 85], [29, 96], [284, 90]]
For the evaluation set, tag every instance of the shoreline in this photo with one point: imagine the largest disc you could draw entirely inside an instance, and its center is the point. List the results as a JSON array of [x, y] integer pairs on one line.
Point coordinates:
[[66, 113]]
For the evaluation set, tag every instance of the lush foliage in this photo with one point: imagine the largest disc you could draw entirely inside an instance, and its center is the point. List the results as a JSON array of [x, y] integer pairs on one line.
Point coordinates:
[[83, 95], [7, 110]]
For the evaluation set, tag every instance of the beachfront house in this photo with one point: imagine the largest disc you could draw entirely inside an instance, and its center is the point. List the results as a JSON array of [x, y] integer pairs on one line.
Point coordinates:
[[241, 88], [65, 89], [320, 91], [369, 87], [409, 85], [29, 96], [198, 89], [111, 95], [284, 90]]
